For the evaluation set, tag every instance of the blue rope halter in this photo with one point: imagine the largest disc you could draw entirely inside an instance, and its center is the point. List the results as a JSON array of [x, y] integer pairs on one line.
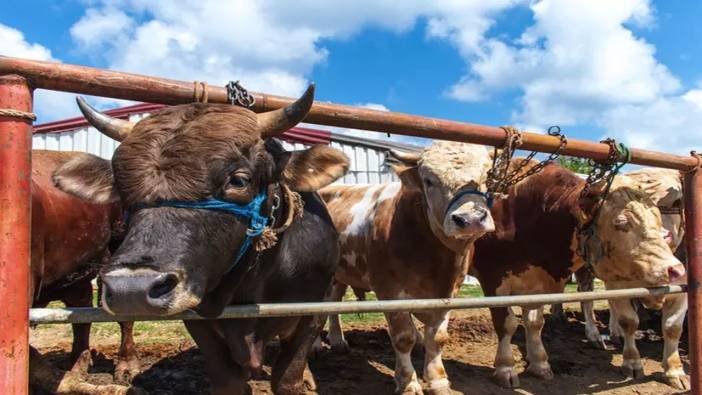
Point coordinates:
[[250, 211], [460, 194]]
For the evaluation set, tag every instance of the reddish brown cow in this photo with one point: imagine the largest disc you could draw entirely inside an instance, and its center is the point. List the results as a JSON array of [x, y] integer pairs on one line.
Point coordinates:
[[70, 239], [534, 250]]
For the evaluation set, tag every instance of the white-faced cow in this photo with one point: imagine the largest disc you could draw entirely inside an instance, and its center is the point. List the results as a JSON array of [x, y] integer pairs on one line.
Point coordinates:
[[664, 187], [413, 239], [219, 214], [534, 249]]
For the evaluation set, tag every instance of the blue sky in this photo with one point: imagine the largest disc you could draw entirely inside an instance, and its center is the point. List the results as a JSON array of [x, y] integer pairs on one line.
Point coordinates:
[[597, 68]]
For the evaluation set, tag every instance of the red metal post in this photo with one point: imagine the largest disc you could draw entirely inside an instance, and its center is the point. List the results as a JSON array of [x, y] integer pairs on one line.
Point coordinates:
[[693, 236], [15, 217]]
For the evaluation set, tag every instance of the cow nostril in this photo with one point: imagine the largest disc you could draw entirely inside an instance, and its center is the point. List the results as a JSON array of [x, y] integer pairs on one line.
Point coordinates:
[[163, 285], [483, 217], [459, 220]]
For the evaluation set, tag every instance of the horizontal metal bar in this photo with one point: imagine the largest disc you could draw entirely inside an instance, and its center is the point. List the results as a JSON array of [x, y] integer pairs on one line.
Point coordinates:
[[93, 81], [87, 314]]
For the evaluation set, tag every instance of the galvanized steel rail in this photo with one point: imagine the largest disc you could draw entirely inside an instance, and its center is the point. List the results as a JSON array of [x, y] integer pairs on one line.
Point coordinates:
[[86, 314]]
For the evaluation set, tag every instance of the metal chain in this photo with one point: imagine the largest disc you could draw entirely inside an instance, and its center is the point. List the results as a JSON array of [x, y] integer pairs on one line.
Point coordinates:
[[618, 156], [607, 169], [515, 176], [500, 177], [239, 96], [497, 176]]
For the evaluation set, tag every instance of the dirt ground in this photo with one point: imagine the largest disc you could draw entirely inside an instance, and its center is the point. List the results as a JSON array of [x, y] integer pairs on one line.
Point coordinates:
[[172, 365]]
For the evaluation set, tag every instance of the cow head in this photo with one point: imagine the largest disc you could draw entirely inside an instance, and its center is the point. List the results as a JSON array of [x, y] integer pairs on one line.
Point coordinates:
[[665, 188], [172, 257], [629, 247], [451, 177]]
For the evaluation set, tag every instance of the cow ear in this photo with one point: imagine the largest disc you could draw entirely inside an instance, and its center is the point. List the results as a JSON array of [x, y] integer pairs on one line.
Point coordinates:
[[88, 177], [405, 166], [311, 169]]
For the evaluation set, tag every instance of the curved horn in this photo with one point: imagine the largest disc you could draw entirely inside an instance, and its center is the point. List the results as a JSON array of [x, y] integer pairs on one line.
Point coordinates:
[[273, 123], [405, 157], [114, 128]]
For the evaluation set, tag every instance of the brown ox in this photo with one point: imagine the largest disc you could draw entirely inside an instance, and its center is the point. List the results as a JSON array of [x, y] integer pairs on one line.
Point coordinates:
[[219, 214], [69, 241], [533, 250], [413, 239]]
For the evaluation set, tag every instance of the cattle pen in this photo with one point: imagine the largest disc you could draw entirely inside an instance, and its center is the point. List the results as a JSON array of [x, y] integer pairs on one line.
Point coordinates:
[[18, 78]]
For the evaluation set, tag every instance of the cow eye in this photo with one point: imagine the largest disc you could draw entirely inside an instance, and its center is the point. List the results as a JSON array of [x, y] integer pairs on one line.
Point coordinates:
[[428, 182], [621, 222], [239, 180]]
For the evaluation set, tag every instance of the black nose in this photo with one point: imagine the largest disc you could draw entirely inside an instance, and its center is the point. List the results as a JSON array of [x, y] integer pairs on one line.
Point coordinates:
[[459, 220], [139, 291]]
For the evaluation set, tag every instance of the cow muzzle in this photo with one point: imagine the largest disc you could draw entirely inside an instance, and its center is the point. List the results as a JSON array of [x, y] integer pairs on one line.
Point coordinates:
[[139, 292], [466, 224]]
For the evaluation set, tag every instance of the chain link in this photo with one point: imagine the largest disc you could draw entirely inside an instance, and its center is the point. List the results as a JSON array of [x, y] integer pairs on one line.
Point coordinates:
[[515, 176], [606, 170], [500, 177], [497, 175], [238, 95]]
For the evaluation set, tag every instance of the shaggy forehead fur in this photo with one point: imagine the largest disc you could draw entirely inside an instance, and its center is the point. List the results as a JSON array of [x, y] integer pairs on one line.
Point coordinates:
[[456, 164], [663, 185], [181, 152], [627, 194]]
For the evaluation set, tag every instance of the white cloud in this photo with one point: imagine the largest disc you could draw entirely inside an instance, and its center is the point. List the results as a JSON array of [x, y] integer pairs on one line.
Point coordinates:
[[99, 27], [669, 124], [48, 105]]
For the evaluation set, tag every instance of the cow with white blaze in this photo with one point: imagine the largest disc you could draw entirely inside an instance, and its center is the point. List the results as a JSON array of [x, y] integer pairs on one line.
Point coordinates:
[[535, 249], [664, 187], [219, 214], [413, 239]]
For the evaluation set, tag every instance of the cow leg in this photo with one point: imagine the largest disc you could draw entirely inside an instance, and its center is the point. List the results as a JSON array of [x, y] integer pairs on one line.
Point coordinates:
[[591, 331], [127, 360], [435, 335], [79, 295], [288, 375], [674, 310], [505, 323], [615, 331], [629, 322], [403, 336], [226, 377], [586, 283], [336, 333], [536, 353]]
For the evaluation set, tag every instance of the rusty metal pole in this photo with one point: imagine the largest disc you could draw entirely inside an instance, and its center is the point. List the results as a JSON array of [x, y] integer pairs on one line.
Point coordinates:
[[693, 237], [15, 220]]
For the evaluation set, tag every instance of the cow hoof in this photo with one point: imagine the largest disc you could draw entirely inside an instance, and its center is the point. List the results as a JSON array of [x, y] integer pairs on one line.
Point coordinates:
[[440, 391], [341, 347], [125, 371], [439, 387], [634, 373], [82, 363], [506, 378], [308, 380], [413, 388], [679, 382], [542, 371]]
